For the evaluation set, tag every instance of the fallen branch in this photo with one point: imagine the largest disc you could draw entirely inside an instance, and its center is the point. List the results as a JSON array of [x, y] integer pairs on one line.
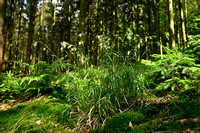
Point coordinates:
[[184, 121]]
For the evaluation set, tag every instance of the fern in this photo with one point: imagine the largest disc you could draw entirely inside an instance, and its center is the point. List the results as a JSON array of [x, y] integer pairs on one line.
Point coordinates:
[[194, 47], [59, 65], [45, 77], [174, 73], [10, 86]]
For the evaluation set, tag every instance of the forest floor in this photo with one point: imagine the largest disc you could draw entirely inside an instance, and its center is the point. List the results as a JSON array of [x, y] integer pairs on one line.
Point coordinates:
[[148, 96], [41, 114]]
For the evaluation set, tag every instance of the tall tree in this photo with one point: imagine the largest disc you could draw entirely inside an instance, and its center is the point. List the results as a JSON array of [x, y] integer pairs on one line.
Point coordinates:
[[137, 23], [171, 25], [31, 25], [186, 19], [9, 34], [156, 23], [82, 28], [177, 23], [149, 25], [1, 32], [159, 30], [183, 30]]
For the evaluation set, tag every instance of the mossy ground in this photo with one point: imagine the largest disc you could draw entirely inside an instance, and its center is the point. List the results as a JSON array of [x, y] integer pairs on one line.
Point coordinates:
[[183, 116], [22, 117], [58, 117]]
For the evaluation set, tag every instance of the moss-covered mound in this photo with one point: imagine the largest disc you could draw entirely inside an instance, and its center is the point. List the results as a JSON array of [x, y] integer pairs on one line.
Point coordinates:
[[122, 121]]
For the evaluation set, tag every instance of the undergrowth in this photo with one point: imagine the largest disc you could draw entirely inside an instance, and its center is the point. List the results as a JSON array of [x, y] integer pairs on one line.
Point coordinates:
[[116, 96], [175, 74]]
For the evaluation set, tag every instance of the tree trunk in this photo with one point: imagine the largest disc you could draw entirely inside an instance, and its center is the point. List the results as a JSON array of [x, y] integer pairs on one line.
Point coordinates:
[[138, 37], [19, 29], [159, 31], [186, 21], [156, 23], [32, 11], [82, 28], [134, 31], [53, 37], [149, 26], [184, 39], [177, 24], [9, 32], [1, 32], [114, 23], [171, 25]]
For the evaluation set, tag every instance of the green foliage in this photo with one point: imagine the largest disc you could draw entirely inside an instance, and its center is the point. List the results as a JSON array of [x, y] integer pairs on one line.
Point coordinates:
[[102, 92], [44, 77], [10, 86], [194, 47], [120, 122], [174, 73]]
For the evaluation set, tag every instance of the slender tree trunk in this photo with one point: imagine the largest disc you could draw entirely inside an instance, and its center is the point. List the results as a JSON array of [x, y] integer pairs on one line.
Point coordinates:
[[19, 29], [186, 21], [156, 40], [184, 39], [53, 38], [39, 35], [32, 11], [138, 37], [149, 26], [1, 32], [101, 26], [177, 24], [159, 31], [69, 14], [171, 25], [96, 16], [82, 28], [134, 31], [145, 28], [114, 23], [9, 41]]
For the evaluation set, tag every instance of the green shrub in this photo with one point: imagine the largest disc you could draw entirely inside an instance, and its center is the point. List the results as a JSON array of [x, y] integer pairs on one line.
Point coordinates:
[[194, 47], [174, 73], [120, 122], [45, 78], [10, 86]]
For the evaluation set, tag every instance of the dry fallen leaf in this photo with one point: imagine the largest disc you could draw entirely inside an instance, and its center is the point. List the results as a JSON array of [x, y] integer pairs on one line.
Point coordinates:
[[157, 100], [4, 106], [130, 125], [56, 125], [39, 122]]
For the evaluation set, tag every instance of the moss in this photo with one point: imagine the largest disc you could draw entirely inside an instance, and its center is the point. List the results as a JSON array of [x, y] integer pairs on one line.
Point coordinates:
[[120, 122], [95, 131], [23, 117]]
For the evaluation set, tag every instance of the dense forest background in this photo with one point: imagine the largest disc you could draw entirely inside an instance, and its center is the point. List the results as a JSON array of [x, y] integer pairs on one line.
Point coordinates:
[[99, 66], [82, 30]]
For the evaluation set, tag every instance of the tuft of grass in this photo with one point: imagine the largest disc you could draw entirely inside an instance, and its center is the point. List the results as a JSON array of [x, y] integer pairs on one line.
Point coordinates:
[[99, 93]]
